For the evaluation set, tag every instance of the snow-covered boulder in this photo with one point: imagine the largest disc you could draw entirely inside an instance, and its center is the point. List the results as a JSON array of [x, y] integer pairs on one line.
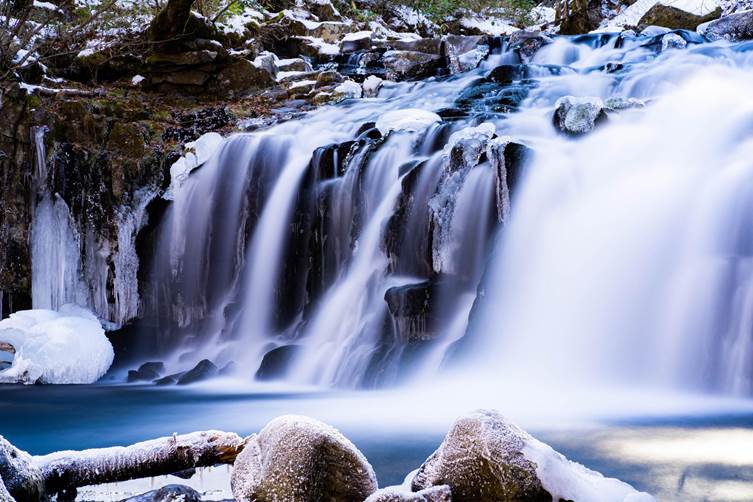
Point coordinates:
[[408, 119], [465, 52], [21, 477], [528, 43], [410, 65], [578, 115], [633, 14], [672, 41], [348, 89], [735, 27], [67, 346], [354, 42], [675, 18], [299, 458], [169, 493], [485, 457]]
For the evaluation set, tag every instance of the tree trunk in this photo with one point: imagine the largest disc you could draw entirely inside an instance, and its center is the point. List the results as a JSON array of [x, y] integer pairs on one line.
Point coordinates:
[[171, 21], [72, 469]]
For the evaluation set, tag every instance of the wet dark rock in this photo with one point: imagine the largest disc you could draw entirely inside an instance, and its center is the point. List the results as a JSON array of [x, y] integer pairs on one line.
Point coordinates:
[[674, 18], [528, 43], [411, 65], [299, 458], [576, 116], [414, 309], [433, 46], [441, 493], [330, 160], [482, 458], [508, 159], [204, 370], [734, 27], [275, 362], [169, 493], [22, 478], [147, 372], [169, 379]]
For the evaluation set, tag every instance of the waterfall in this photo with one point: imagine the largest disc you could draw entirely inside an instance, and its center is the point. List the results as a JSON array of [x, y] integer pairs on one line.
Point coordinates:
[[326, 251]]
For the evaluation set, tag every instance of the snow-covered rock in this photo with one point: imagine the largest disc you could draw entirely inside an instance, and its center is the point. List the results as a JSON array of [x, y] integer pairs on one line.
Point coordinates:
[[672, 41], [348, 90], [299, 458], [371, 86], [488, 25], [21, 477], [410, 65], [441, 493], [578, 115], [195, 154], [485, 457], [735, 27], [67, 346], [408, 119], [631, 15], [358, 41]]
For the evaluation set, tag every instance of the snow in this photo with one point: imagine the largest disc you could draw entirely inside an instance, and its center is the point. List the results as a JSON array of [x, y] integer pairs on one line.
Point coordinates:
[[349, 89], [358, 35], [196, 153], [67, 346], [408, 119], [567, 480], [324, 48], [137, 79], [236, 23], [302, 83], [490, 26], [633, 14], [46, 5], [371, 86]]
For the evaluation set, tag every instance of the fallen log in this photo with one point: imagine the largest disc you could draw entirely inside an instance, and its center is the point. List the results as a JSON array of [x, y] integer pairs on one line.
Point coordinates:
[[64, 471]]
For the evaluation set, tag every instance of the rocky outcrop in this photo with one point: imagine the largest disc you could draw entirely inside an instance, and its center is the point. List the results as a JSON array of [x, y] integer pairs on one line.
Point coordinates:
[[299, 458], [169, 493], [411, 65], [734, 27]]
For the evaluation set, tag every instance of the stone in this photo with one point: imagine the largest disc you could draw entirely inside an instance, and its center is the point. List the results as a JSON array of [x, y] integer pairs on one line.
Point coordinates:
[[734, 28], [576, 116], [425, 45], [147, 372], [189, 58], [328, 77], [183, 78], [169, 379], [275, 362], [675, 19], [169, 493], [293, 64], [204, 370], [242, 76], [301, 459], [348, 89], [465, 52], [482, 458], [441, 493], [22, 478], [356, 42], [528, 43], [410, 65], [672, 41]]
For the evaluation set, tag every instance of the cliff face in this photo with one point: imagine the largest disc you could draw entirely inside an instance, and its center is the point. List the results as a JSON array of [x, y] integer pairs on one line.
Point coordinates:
[[79, 173]]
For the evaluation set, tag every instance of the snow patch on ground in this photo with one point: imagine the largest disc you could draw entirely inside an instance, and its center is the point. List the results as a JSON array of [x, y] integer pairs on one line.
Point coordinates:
[[409, 119], [67, 346], [324, 48], [489, 25], [567, 480], [196, 153]]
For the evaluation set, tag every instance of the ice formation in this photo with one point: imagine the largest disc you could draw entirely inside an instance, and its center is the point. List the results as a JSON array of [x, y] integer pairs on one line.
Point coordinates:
[[67, 346]]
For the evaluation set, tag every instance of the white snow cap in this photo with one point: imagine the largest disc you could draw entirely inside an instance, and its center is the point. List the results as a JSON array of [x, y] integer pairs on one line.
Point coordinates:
[[67, 346], [567, 480], [409, 119], [196, 153]]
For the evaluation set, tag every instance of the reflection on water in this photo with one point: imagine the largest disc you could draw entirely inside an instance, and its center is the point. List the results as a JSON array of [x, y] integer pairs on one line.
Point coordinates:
[[705, 457]]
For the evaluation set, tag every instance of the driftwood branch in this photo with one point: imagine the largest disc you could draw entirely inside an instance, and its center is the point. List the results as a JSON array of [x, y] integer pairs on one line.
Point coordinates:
[[67, 470]]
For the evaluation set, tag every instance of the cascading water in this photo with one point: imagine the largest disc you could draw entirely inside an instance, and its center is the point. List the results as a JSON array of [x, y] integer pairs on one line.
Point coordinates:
[[325, 251]]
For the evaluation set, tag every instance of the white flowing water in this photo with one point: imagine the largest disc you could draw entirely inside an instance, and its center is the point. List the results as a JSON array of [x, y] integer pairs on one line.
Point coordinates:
[[623, 259]]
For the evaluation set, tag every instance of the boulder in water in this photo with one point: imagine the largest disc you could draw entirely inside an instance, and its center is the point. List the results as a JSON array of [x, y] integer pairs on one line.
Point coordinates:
[[485, 457], [410, 65], [408, 119], [22, 478], [528, 43], [735, 27], [355, 42], [299, 458], [169, 493], [672, 41], [147, 372], [578, 115], [371, 86], [440, 493], [204, 370]]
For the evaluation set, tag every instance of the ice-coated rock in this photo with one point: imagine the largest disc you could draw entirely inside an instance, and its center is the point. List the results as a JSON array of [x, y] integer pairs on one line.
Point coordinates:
[[528, 43], [298, 458], [22, 479], [440, 493], [485, 457], [371, 86], [195, 154], [67, 346], [672, 41], [408, 119], [735, 27], [578, 115]]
